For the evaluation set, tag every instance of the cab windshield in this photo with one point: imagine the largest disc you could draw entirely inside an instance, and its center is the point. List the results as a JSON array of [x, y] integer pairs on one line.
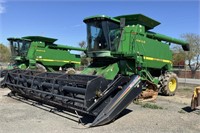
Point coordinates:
[[103, 35], [19, 47]]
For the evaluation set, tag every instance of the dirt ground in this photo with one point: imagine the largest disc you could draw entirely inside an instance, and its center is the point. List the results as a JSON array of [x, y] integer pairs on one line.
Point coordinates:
[[166, 114]]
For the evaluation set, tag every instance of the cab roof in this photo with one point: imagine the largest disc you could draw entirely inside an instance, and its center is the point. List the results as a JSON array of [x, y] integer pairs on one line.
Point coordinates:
[[40, 38], [100, 17], [17, 39], [33, 38], [131, 19]]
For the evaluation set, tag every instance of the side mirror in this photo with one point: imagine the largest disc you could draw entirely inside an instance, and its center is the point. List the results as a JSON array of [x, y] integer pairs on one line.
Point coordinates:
[[122, 22]]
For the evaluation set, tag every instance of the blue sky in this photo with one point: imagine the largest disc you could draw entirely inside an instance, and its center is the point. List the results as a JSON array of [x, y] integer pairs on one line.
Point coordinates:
[[63, 19]]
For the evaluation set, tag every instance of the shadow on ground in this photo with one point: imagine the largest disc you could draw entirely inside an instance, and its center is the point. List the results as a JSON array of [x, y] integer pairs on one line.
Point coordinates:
[[189, 110], [65, 113]]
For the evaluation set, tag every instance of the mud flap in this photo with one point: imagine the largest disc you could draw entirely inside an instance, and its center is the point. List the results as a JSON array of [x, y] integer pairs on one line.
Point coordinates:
[[119, 102]]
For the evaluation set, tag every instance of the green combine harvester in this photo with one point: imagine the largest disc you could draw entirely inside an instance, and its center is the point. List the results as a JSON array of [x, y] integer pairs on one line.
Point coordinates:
[[41, 53], [128, 62]]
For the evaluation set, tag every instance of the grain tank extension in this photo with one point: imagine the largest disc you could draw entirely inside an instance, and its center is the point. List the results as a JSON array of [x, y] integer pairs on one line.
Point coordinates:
[[129, 62]]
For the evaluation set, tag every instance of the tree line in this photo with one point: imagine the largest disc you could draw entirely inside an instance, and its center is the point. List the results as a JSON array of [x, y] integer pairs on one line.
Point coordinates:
[[5, 53], [191, 58]]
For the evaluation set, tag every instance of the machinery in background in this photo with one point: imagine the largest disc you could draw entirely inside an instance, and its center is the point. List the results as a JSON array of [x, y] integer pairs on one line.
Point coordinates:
[[41, 53], [195, 102]]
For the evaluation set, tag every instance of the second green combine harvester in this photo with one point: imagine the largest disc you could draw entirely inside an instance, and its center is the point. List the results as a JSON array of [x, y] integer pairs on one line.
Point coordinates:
[[129, 62], [41, 53]]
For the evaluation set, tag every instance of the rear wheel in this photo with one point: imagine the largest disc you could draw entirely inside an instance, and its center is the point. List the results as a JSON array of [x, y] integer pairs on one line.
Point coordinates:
[[169, 84]]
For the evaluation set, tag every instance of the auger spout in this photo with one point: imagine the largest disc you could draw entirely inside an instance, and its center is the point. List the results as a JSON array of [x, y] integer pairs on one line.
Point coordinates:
[[161, 37]]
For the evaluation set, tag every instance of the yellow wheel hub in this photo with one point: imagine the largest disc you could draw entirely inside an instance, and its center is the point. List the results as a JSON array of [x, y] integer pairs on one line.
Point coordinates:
[[172, 85]]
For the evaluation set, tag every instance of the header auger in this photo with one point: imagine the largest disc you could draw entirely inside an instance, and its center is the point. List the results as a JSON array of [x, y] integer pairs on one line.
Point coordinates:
[[129, 62]]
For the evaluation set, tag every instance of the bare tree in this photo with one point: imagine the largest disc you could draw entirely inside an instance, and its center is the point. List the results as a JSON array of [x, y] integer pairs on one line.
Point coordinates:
[[178, 57], [4, 53], [82, 44], [193, 56], [84, 60]]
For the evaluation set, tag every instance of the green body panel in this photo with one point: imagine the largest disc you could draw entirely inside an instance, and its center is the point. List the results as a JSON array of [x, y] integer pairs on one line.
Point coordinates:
[[44, 51], [51, 56], [109, 71], [136, 51], [155, 54]]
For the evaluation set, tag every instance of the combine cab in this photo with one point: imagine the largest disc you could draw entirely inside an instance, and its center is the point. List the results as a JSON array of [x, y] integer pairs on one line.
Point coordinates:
[[128, 62]]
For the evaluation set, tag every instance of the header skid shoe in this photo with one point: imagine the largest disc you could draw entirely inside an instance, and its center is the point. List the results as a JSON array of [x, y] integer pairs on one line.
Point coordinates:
[[92, 95]]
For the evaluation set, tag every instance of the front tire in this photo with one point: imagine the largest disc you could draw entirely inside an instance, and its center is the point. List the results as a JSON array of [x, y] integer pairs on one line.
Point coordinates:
[[169, 84]]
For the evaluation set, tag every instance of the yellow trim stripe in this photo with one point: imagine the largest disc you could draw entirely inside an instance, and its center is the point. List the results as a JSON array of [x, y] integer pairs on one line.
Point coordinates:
[[40, 50], [50, 60], [156, 59]]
